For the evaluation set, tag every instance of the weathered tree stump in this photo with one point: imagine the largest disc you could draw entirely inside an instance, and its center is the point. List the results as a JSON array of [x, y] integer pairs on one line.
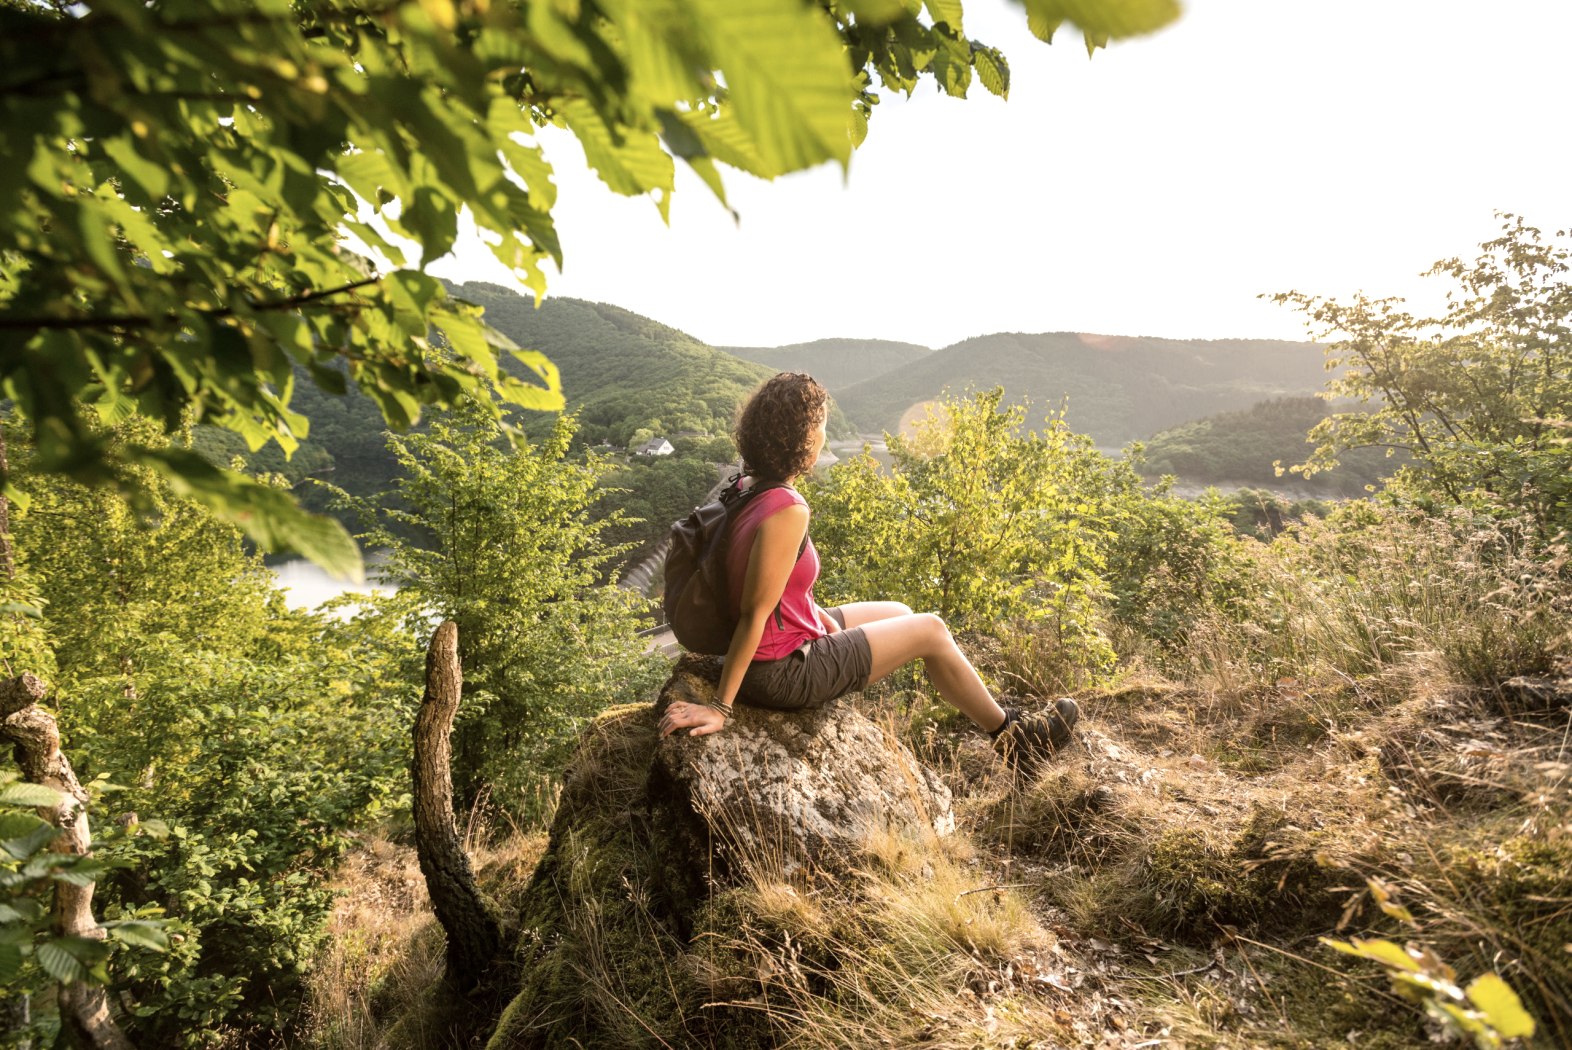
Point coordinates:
[[474, 933]]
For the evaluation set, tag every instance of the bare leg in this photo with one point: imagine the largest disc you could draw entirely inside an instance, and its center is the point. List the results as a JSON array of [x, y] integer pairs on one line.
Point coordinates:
[[897, 640], [860, 614]]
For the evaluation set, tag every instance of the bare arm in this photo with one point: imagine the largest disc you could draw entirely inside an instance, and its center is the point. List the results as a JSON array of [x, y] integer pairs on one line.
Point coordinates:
[[770, 565]]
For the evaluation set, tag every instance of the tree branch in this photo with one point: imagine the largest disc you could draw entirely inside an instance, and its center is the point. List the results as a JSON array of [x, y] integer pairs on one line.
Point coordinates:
[[141, 321]]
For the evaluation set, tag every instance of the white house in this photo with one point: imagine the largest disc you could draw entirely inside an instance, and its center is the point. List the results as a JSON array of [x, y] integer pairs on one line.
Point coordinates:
[[655, 447]]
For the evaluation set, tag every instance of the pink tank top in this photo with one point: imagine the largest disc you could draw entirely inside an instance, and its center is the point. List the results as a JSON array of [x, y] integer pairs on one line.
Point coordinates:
[[795, 620]]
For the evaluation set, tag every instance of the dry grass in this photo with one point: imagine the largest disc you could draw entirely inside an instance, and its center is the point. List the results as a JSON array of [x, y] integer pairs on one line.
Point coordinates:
[[1388, 598], [384, 948], [1239, 827], [1163, 886], [373, 986]]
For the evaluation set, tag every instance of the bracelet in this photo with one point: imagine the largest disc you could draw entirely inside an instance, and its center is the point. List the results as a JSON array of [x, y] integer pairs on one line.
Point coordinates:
[[724, 709]]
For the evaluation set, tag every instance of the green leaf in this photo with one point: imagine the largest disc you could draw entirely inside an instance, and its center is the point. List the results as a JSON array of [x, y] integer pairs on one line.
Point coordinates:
[[1101, 20], [21, 909], [140, 933], [1384, 952], [880, 12], [660, 72], [1503, 1010], [269, 516], [992, 70], [948, 12], [10, 962], [24, 834], [1042, 26], [631, 162], [155, 828], [725, 139], [1384, 900], [787, 76], [1465, 1021], [24, 794], [59, 963], [84, 872], [90, 953]]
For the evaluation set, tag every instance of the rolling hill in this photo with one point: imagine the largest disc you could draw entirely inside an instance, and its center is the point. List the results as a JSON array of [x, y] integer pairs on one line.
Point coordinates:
[[837, 363], [1119, 388], [621, 372]]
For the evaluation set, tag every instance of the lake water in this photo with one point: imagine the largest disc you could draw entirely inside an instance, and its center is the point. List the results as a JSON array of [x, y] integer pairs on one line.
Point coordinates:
[[306, 586]]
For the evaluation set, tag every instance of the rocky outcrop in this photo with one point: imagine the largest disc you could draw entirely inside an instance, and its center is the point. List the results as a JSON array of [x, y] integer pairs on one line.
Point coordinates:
[[651, 834], [787, 791]]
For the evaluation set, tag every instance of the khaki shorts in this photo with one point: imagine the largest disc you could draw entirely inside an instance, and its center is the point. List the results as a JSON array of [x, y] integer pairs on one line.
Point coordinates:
[[815, 672]]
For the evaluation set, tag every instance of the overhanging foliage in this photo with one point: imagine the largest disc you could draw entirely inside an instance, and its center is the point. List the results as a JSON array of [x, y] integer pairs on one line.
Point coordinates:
[[196, 191]]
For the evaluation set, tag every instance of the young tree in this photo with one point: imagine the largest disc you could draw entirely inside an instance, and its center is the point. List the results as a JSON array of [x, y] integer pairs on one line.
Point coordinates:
[[976, 519], [1480, 396], [515, 559], [190, 202]]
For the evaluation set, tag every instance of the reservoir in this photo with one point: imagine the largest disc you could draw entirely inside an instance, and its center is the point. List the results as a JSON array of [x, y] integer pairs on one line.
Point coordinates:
[[307, 586]]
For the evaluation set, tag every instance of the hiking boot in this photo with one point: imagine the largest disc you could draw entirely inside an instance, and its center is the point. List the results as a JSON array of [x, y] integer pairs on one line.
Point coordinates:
[[1027, 740]]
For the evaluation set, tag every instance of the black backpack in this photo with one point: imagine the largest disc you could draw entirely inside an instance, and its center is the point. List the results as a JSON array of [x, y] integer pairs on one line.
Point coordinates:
[[697, 601]]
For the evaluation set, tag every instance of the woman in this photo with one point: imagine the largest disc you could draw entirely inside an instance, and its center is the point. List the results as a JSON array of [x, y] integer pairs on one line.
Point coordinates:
[[789, 653]]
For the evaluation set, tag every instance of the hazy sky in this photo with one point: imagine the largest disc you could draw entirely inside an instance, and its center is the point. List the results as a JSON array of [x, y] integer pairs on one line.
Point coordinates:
[[1156, 189]]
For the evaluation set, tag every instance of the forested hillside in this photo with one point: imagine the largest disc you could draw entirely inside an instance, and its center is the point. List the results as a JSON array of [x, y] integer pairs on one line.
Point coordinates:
[[837, 363], [1241, 447], [1120, 388], [623, 373]]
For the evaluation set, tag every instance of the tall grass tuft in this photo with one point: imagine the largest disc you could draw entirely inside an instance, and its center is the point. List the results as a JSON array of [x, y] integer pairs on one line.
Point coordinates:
[[1378, 592]]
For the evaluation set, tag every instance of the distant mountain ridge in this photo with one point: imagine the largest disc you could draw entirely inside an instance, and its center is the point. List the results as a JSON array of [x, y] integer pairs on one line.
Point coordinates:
[[837, 363], [1119, 388]]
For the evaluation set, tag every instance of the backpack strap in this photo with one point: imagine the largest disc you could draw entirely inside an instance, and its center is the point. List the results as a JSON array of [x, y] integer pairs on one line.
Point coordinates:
[[741, 496]]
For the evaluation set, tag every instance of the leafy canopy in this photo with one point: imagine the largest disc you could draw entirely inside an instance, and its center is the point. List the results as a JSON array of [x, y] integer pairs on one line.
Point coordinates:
[[195, 190]]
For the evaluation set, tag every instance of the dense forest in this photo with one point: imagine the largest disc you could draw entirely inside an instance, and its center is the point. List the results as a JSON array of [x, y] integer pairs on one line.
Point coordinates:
[[623, 375], [1260, 446], [629, 379], [626, 378]]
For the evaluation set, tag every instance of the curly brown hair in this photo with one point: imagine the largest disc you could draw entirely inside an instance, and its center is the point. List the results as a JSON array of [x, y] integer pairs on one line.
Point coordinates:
[[775, 428]]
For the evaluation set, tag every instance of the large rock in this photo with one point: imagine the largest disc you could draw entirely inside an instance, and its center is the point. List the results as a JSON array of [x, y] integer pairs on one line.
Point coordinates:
[[650, 833], [788, 790]]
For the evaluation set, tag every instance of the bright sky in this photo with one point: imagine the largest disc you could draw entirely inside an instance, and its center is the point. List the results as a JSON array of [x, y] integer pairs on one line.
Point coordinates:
[[1255, 146]]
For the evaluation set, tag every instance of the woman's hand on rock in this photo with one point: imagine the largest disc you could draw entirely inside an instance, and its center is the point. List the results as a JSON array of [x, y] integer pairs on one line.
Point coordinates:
[[698, 719]]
